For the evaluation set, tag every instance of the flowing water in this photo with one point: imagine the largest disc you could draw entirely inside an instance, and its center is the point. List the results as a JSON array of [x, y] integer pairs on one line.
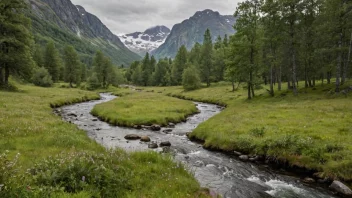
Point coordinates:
[[222, 173]]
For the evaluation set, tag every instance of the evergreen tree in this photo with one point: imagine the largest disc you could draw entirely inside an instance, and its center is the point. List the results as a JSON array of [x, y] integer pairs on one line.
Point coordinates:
[[160, 72], [179, 65], [137, 77], [52, 61], [219, 43], [147, 70], [245, 43], [206, 65], [15, 41], [194, 55], [226, 41], [73, 70], [83, 72]]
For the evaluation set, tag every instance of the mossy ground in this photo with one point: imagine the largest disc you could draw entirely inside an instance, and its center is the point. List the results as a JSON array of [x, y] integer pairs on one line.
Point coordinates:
[[143, 108], [28, 127], [312, 130]]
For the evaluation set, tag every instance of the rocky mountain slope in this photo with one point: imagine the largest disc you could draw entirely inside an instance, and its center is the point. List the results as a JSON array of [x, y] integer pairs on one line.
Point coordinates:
[[68, 24], [192, 30], [142, 42]]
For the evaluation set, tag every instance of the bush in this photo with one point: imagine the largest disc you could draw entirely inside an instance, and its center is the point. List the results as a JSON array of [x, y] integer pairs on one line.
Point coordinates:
[[93, 82], [42, 78], [99, 174], [191, 79]]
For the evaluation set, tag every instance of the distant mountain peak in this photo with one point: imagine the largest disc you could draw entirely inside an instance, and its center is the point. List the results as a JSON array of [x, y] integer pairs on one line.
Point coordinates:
[[191, 31], [147, 41]]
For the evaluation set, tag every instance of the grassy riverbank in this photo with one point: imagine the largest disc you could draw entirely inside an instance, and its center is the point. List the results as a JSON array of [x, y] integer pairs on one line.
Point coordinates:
[[142, 108], [47, 157], [311, 130]]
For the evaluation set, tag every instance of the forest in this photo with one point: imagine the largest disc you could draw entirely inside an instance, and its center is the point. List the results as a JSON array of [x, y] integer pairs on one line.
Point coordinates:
[[277, 41]]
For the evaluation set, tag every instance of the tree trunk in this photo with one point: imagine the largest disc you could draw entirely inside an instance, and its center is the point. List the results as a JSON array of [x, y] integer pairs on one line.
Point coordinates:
[[349, 58], [306, 77], [279, 79], [233, 86], [271, 81], [289, 85], [338, 65], [7, 75], [1, 77], [249, 91], [328, 78], [293, 53], [313, 81]]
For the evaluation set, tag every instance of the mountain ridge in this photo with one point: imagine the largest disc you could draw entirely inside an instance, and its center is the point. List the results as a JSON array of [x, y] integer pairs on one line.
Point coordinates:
[[191, 30], [69, 24]]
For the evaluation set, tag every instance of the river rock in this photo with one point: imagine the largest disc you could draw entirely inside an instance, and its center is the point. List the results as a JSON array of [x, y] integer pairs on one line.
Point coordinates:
[[254, 159], [167, 130], [237, 153], [309, 180], [153, 145], [155, 127], [341, 188], [72, 115], [244, 158], [171, 125], [137, 127], [165, 144], [132, 137], [145, 139], [95, 120]]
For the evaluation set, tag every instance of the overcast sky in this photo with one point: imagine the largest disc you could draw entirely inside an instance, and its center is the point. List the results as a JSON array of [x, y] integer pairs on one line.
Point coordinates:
[[127, 16]]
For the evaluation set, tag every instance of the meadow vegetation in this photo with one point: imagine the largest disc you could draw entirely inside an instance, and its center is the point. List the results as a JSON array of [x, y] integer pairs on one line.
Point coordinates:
[[143, 108], [311, 130], [43, 156]]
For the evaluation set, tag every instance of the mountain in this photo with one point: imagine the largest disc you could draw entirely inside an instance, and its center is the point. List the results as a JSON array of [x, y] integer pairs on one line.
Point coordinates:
[[192, 30], [68, 24], [142, 42]]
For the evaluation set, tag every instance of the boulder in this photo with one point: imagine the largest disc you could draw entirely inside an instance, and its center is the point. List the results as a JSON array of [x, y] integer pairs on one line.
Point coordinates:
[[165, 144], [244, 158], [132, 137], [155, 127], [153, 145], [145, 139], [308, 180], [167, 130], [341, 188]]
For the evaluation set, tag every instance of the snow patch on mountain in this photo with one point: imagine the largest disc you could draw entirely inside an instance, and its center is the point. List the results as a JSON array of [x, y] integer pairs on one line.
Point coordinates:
[[147, 41]]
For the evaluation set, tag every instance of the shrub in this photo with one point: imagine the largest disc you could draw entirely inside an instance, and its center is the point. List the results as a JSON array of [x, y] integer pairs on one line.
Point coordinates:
[[42, 78], [93, 82], [191, 79], [99, 174]]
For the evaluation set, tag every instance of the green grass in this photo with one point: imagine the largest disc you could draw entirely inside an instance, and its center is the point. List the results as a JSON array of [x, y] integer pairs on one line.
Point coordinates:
[[28, 127], [312, 130], [142, 108]]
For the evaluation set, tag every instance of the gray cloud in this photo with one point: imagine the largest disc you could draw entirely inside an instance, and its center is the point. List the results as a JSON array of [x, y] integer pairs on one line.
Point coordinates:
[[126, 16]]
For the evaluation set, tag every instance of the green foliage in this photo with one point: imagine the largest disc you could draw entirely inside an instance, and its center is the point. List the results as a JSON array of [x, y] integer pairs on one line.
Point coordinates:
[[190, 78], [15, 41], [73, 70], [179, 65], [206, 65], [93, 82], [52, 61], [42, 78], [98, 174]]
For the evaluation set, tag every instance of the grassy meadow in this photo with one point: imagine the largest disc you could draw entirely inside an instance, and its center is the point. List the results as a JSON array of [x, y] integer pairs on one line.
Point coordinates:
[[47, 157], [144, 108], [312, 130]]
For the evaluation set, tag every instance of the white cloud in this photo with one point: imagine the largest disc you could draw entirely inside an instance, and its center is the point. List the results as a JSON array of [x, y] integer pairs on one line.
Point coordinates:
[[126, 16]]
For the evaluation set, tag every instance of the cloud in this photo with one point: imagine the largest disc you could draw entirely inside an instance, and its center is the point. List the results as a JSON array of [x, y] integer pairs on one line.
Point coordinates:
[[126, 16]]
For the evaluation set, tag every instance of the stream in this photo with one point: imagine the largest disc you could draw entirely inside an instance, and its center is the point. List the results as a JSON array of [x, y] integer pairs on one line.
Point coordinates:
[[223, 174]]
